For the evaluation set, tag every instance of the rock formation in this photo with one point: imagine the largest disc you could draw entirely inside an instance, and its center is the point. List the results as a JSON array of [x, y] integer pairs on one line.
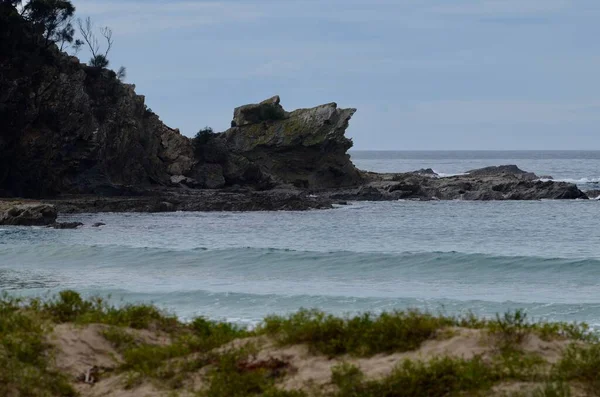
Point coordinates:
[[268, 146], [33, 214], [506, 182], [69, 128]]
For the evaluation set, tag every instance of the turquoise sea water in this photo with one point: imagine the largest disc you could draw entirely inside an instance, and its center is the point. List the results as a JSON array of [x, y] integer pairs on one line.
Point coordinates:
[[449, 257]]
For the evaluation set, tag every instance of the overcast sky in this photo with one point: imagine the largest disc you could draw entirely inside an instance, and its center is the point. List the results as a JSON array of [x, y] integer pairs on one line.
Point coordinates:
[[424, 74]]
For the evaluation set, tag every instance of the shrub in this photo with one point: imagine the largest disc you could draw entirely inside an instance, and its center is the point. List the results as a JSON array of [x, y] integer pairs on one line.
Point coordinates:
[[24, 356], [361, 335], [438, 377], [581, 364], [511, 328], [200, 141], [230, 377]]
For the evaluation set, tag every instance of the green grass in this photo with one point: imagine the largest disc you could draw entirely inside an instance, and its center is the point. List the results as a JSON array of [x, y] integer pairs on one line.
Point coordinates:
[[438, 377], [170, 362], [186, 348], [362, 335], [24, 355], [232, 377], [581, 364], [69, 306]]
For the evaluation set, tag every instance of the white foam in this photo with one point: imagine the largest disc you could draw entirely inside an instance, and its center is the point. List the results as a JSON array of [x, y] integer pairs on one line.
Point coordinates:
[[580, 181], [447, 175]]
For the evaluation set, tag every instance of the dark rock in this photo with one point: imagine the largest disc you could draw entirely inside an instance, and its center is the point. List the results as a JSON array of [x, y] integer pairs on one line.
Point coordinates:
[[210, 176], [267, 110], [180, 180], [66, 225], [163, 206], [29, 215], [502, 170], [593, 194], [491, 183], [197, 200], [69, 128], [305, 148], [425, 171]]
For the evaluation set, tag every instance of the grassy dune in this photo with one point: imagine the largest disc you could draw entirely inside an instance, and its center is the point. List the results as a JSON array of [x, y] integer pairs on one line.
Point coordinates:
[[68, 346]]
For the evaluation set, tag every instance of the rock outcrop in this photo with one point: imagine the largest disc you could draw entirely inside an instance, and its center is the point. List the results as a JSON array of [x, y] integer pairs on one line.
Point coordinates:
[[34, 214], [268, 146], [69, 128], [490, 183]]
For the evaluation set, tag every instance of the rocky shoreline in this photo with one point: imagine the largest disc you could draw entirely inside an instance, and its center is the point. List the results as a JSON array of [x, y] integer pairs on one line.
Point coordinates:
[[491, 183], [89, 143]]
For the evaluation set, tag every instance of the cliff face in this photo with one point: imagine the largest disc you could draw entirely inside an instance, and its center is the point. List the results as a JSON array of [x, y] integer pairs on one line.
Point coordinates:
[[267, 146], [69, 128]]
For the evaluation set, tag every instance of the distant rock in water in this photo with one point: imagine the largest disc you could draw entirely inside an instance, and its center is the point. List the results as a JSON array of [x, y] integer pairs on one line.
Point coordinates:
[[502, 170], [29, 215], [66, 225], [505, 182], [425, 171], [593, 194]]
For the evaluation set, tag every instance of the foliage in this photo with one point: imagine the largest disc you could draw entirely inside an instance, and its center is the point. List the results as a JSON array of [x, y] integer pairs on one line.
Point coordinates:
[[231, 378], [581, 364], [362, 335], [53, 17], [512, 328], [438, 377], [24, 356], [99, 61], [200, 141], [553, 389], [69, 306], [122, 73], [173, 351]]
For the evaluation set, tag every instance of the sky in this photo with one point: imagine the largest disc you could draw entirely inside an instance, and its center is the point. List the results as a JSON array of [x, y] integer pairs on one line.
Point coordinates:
[[423, 74]]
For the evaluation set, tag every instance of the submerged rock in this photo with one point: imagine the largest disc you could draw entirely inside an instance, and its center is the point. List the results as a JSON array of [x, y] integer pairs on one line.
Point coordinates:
[[29, 215], [66, 225]]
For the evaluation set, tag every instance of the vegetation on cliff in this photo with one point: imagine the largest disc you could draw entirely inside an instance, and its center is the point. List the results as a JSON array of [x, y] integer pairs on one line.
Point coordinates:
[[71, 346]]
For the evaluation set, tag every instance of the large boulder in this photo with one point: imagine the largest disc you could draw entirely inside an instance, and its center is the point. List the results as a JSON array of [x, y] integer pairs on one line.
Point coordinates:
[[268, 146], [269, 109], [29, 215]]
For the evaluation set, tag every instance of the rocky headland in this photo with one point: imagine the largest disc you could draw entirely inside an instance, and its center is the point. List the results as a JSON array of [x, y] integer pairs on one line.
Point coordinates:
[[77, 138]]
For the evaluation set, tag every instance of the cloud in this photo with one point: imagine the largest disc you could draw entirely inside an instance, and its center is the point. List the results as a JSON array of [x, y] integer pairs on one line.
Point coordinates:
[[469, 112], [129, 17], [501, 7]]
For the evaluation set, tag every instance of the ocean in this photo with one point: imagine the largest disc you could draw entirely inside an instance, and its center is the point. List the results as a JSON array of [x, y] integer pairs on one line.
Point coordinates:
[[445, 257]]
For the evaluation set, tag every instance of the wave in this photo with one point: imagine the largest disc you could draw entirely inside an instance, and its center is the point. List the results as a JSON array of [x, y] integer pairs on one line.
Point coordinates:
[[577, 181], [251, 309], [447, 175], [282, 258]]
